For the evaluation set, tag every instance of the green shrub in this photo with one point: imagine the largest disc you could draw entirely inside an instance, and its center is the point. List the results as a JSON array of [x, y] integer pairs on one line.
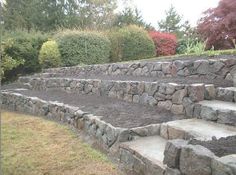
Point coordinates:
[[24, 46], [7, 62], [49, 55], [131, 43], [116, 45], [83, 47]]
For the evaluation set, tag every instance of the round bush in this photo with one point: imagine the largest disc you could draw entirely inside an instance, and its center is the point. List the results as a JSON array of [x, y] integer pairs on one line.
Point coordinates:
[[49, 55], [166, 43], [131, 43], [83, 47]]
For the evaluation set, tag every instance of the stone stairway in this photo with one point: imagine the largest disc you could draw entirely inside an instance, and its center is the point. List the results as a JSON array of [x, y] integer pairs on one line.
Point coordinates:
[[140, 109], [221, 108], [146, 155]]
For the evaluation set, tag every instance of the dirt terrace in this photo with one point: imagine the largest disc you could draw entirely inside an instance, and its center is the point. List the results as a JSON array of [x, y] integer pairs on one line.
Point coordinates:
[[220, 147], [118, 113]]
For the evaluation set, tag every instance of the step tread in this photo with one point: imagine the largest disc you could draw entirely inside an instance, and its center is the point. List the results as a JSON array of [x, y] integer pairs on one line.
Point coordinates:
[[230, 88], [151, 148], [203, 129], [219, 105]]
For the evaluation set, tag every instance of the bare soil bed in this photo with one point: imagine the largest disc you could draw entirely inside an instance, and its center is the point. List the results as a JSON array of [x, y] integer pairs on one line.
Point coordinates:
[[220, 147], [116, 112]]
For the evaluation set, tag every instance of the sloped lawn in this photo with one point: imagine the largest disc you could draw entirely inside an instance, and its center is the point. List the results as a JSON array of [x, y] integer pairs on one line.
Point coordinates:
[[34, 146]]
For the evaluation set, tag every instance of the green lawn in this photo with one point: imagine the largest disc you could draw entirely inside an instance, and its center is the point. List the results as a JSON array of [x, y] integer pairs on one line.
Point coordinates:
[[34, 146]]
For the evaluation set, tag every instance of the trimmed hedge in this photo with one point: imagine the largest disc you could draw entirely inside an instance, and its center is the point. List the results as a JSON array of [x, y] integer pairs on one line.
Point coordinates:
[[83, 47], [49, 55], [165, 43], [131, 43]]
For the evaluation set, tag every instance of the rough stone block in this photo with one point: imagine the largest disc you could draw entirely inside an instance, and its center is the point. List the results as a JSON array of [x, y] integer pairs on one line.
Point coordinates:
[[172, 152], [126, 159], [196, 92], [165, 104], [210, 92], [177, 109], [208, 113], [224, 166], [178, 96], [175, 133], [224, 94], [227, 117], [170, 171], [196, 160], [164, 131], [188, 107]]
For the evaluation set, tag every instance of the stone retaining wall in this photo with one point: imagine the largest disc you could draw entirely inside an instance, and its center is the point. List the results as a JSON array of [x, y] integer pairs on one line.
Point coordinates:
[[183, 158], [209, 68], [106, 134], [177, 98]]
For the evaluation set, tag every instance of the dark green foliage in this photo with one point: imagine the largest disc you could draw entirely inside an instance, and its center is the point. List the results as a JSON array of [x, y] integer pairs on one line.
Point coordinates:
[[131, 16], [131, 43], [49, 15], [7, 62], [172, 22], [81, 47], [24, 46], [43, 15]]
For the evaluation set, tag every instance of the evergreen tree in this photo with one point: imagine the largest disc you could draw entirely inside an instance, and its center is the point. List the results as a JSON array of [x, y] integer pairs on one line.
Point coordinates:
[[172, 22], [97, 14], [48, 15], [131, 16]]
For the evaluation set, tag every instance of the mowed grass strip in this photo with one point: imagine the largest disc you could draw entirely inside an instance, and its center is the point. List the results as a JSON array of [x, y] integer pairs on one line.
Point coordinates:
[[34, 146]]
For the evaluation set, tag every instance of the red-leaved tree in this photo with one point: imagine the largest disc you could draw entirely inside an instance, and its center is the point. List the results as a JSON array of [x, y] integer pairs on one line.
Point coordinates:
[[218, 26], [165, 43]]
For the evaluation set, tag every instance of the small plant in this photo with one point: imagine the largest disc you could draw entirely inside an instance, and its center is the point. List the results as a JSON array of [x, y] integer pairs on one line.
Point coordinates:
[[49, 55], [197, 48]]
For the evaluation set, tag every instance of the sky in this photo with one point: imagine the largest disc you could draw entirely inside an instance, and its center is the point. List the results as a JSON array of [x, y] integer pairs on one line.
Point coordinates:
[[154, 10]]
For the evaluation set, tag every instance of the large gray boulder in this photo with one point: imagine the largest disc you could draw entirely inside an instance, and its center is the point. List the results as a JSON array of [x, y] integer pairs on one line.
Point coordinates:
[[224, 166], [196, 160]]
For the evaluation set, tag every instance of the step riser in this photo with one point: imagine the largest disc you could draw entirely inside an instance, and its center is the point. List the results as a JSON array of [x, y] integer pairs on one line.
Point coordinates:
[[195, 128], [201, 68], [226, 94], [134, 163], [227, 117], [234, 78]]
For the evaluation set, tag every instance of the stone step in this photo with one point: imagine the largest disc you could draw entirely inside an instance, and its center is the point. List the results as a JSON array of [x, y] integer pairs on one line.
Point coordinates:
[[226, 94], [218, 111], [195, 128], [144, 155]]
